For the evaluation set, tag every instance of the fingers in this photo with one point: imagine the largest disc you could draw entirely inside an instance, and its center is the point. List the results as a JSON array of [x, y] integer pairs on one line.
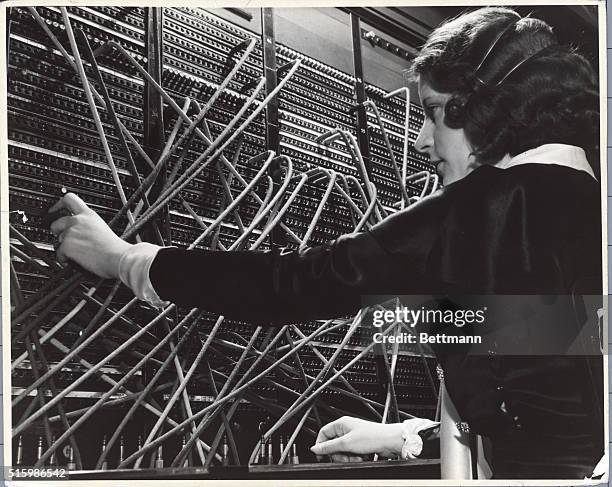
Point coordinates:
[[344, 458], [75, 204], [331, 446], [49, 217], [332, 431], [72, 203], [61, 224], [327, 432], [340, 458], [339, 427], [58, 227], [61, 254], [57, 206]]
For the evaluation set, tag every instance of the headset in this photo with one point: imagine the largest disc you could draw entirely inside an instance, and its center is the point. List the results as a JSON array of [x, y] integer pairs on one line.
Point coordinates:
[[454, 109]]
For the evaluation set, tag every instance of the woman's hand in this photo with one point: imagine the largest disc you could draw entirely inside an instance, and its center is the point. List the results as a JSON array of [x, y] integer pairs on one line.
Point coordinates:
[[86, 239], [349, 439]]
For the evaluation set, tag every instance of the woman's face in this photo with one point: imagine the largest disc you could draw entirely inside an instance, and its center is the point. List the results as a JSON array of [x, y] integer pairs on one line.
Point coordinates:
[[448, 149]]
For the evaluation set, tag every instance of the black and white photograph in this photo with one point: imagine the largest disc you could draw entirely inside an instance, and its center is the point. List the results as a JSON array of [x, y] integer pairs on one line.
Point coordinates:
[[305, 243]]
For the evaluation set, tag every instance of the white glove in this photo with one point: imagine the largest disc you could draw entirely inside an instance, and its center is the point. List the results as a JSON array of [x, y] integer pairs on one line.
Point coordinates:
[[349, 439], [86, 239]]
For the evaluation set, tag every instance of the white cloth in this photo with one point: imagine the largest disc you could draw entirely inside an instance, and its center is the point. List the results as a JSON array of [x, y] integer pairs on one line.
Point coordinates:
[[134, 268], [413, 443], [135, 263], [558, 154]]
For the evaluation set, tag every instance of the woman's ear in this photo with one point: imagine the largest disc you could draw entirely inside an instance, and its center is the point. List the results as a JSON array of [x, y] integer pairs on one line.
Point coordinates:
[[473, 162]]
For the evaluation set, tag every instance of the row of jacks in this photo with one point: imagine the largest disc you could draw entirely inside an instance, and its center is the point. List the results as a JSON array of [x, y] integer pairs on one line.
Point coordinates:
[[266, 452], [68, 452]]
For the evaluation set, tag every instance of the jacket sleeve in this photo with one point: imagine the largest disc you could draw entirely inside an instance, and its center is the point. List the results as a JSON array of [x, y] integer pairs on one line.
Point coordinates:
[[319, 282]]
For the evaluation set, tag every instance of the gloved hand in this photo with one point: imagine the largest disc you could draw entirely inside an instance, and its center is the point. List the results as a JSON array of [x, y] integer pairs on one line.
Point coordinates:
[[86, 239], [348, 439]]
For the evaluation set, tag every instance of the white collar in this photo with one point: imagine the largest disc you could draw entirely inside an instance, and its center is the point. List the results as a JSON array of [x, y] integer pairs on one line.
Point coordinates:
[[559, 154]]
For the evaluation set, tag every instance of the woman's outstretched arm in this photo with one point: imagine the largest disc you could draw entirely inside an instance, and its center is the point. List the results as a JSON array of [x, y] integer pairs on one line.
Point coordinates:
[[259, 286], [466, 238]]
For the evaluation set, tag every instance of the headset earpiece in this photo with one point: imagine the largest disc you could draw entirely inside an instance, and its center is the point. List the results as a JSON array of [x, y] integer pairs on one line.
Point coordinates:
[[454, 113]]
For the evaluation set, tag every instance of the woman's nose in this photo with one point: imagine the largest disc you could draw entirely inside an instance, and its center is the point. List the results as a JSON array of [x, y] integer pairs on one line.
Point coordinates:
[[424, 140]]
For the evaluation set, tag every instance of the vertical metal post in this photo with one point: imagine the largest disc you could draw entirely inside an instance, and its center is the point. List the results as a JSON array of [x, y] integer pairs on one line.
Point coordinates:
[[153, 104], [363, 139], [360, 96], [268, 41], [269, 70], [153, 107]]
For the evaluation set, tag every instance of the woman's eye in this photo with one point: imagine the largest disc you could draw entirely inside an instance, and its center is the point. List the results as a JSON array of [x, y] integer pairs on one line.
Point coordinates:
[[430, 111]]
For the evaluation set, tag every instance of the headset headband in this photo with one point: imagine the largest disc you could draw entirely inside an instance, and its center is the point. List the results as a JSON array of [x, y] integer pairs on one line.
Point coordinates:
[[509, 27]]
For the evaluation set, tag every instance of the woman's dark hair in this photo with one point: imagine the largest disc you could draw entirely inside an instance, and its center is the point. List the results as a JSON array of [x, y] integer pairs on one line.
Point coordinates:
[[551, 96]]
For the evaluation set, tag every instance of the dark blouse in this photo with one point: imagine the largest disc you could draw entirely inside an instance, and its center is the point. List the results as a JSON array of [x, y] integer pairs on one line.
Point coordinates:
[[531, 231]]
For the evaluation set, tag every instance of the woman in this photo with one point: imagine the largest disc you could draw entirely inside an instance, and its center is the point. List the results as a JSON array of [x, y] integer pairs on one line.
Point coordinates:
[[509, 116]]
